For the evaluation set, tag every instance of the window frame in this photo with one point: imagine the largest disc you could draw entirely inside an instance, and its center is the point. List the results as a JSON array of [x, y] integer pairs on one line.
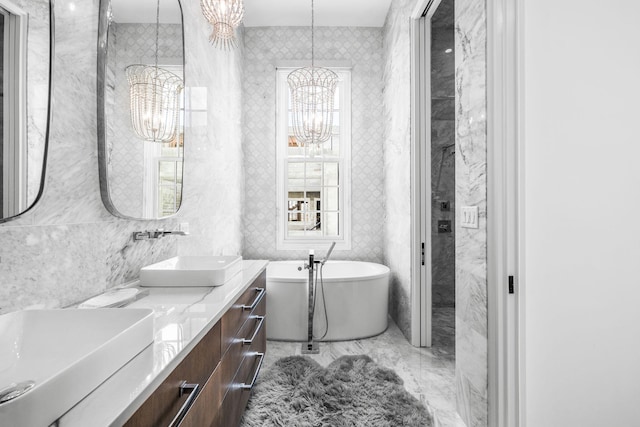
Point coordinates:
[[343, 240], [153, 157]]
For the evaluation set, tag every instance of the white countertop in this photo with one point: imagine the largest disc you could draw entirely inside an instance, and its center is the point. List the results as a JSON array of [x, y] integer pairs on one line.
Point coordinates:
[[182, 316]]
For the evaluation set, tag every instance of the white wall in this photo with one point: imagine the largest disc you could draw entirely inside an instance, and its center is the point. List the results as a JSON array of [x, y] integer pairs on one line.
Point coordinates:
[[582, 149]]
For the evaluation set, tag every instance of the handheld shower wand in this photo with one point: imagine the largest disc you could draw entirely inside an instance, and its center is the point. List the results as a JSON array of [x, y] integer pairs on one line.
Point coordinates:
[[326, 257]]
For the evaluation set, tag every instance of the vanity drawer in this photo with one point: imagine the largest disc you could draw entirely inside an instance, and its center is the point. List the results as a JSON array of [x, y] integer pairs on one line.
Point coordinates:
[[254, 328], [205, 411], [223, 364], [206, 408], [253, 298], [165, 402], [238, 395]]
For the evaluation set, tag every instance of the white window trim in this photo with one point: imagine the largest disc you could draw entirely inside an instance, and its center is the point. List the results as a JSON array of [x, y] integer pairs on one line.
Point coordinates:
[[344, 242], [153, 152]]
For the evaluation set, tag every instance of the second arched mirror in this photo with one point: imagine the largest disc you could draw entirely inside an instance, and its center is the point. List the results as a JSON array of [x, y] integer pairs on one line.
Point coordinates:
[[141, 107]]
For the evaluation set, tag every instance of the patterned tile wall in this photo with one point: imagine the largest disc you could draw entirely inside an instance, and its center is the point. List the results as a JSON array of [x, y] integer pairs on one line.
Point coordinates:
[[133, 44], [264, 48], [69, 247]]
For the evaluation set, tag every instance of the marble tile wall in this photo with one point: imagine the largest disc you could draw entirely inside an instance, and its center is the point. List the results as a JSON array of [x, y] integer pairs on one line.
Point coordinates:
[[264, 47], [69, 247], [397, 158], [470, 175], [443, 116], [38, 83], [471, 190], [214, 169]]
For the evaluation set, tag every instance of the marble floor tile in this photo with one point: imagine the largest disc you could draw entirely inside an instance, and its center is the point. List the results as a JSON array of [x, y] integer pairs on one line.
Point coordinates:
[[428, 373]]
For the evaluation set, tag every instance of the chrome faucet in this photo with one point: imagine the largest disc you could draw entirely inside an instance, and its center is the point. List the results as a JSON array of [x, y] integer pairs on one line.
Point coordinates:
[[157, 234], [309, 266]]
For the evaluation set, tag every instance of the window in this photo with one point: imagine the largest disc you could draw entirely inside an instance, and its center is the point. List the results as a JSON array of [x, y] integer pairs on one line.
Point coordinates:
[[164, 168], [170, 179], [314, 182]]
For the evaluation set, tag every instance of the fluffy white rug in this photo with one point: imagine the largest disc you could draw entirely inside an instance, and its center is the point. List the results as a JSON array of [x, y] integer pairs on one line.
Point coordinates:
[[352, 391]]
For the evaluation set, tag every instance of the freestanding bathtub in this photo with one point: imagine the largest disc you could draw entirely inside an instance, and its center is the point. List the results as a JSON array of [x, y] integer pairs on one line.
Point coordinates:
[[356, 295]]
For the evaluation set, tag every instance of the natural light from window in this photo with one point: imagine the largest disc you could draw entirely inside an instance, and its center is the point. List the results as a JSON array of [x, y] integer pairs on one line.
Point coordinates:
[[313, 180]]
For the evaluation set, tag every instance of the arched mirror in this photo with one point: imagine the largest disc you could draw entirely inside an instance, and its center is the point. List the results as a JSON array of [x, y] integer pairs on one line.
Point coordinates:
[[141, 107], [26, 39]]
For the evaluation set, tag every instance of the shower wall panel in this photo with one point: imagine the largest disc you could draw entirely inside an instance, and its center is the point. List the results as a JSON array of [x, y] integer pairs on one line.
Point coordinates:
[[443, 117]]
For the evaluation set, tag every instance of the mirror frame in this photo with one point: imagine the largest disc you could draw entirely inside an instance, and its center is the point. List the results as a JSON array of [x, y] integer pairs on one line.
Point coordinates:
[[47, 134], [104, 18]]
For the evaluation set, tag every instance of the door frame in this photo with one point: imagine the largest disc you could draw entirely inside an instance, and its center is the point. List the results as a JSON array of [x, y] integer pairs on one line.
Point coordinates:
[[505, 225], [421, 280]]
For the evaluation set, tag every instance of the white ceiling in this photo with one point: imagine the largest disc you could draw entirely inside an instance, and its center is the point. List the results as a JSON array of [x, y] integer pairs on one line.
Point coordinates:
[[357, 13], [144, 11], [268, 13]]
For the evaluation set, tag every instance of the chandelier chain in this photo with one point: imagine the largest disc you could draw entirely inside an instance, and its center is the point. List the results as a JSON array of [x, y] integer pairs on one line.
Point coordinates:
[[312, 36], [157, 32], [312, 92]]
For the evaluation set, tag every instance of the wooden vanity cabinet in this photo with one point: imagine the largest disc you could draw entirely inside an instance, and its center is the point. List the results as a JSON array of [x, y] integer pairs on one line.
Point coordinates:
[[223, 364]]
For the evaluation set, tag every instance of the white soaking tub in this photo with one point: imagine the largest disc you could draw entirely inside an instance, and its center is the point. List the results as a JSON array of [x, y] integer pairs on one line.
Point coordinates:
[[356, 293]]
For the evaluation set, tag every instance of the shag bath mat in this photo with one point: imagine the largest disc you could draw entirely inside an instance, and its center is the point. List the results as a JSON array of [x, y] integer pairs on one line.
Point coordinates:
[[352, 391]]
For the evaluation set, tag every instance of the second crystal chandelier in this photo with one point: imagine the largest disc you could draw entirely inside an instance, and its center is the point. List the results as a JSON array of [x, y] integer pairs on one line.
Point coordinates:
[[154, 97], [312, 94]]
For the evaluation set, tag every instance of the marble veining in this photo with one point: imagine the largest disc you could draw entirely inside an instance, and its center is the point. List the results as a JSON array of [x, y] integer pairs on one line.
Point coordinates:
[[69, 247], [214, 172], [428, 373], [397, 158], [471, 189]]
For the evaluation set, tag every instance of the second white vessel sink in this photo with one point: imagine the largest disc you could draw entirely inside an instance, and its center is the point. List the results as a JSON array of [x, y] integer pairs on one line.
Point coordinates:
[[191, 271], [52, 359]]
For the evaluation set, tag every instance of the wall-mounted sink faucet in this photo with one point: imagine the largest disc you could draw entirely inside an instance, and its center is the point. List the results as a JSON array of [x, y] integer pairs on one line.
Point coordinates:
[[156, 234]]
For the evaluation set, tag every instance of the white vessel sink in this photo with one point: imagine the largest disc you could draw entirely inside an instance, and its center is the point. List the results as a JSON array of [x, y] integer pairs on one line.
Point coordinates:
[[60, 356], [191, 271]]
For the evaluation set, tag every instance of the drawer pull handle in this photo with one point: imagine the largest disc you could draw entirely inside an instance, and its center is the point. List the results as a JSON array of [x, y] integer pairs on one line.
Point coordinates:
[[255, 332], [255, 302], [246, 386], [192, 389]]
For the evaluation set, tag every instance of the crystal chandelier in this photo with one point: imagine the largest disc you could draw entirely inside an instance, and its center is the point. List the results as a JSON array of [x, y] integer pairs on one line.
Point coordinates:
[[154, 95], [312, 92], [224, 16]]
